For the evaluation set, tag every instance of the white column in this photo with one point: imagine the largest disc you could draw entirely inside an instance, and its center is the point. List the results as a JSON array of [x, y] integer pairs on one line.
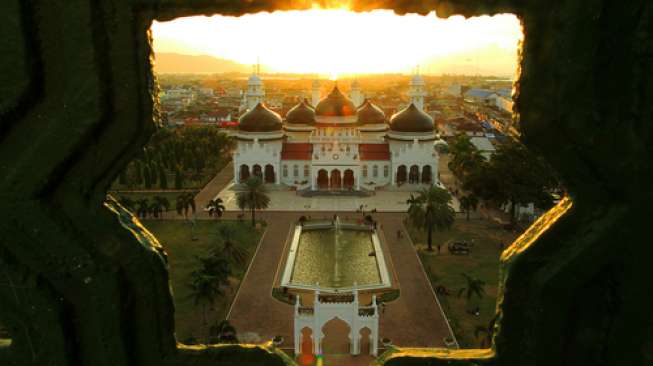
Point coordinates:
[[329, 179], [277, 176], [236, 173]]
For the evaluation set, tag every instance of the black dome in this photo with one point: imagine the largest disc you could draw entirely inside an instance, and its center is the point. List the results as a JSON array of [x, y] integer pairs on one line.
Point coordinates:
[[301, 113], [411, 119], [370, 113], [335, 105], [260, 119]]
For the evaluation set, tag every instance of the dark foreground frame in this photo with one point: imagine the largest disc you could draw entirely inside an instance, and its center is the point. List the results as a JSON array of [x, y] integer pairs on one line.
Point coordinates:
[[82, 283]]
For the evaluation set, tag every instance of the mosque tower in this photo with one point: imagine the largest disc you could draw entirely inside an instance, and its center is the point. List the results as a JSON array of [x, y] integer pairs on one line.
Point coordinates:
[[355, 94], [255, 92], [315, 93], [417, 90]]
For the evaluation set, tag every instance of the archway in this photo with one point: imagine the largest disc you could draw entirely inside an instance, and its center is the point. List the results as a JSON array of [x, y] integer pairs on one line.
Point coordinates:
[[322, 179], [365, 337], [413, 175], [336, 180], [401, 174], [269, 174], [244, 172], [348, 180], [336, 339], [257, 171], [306, 357], [427, 176]]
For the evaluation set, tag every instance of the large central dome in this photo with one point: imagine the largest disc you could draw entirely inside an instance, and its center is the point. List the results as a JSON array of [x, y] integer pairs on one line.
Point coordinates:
[[335, 105]]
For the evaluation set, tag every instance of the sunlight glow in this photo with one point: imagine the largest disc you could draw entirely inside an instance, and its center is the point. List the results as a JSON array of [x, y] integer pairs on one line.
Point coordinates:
[[344, 42]]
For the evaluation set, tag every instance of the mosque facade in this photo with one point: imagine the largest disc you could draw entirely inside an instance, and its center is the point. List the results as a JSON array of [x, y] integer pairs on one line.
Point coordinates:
[[336, 143]]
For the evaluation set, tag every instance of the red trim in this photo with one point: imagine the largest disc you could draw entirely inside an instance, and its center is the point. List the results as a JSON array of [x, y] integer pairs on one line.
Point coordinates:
[[297, 151], [374, 151]]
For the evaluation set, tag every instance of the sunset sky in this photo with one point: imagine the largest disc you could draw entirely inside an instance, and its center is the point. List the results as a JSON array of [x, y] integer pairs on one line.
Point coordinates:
[[342, 42]]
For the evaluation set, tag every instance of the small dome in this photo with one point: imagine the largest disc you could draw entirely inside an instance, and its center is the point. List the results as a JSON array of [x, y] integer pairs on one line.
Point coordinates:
[[411, 119], [301, 113], [370, 113], [335, 105], [259, 119]]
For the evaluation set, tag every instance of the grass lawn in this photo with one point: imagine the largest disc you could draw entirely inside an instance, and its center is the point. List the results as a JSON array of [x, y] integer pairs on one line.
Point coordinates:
[[446, 270], [175, 236]]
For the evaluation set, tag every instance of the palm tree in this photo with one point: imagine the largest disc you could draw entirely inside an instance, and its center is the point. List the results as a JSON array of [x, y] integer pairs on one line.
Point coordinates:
[[204, 289], [185, 202], [215, 207], [429, 210], [223, 332], [473, 287], [468, 203], [155, 209], [254, 197], [163, 204], [488, 330], [142, 207], [235, 253]]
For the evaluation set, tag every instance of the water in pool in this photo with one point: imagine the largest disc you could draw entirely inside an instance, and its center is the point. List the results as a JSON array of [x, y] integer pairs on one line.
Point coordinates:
[[335, 260]]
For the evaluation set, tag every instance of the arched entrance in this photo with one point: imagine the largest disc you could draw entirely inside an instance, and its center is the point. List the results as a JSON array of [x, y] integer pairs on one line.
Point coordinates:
[[244, 172], [306, 357], [336, 180], [348, 180], [336, 337], [269, 174], [401, 174], [427, 176], [322, 179], [365, 336], [413, 176], [257, 171]]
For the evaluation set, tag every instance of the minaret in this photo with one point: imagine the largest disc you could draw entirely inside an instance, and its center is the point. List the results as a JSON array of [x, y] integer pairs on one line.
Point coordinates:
[[315, 93], [355, 94], [417, 90], [255, 91]]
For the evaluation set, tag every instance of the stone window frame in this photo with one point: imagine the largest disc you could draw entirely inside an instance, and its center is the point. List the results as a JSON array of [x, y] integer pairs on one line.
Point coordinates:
[[57, 184]]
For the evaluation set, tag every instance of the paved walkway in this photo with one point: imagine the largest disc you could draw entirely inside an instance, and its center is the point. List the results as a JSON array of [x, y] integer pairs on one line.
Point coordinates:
[[212, 188], [413, 320], [287, 200]]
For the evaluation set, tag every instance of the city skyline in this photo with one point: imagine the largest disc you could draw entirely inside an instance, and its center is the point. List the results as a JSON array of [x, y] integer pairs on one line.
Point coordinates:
[[361, 43]]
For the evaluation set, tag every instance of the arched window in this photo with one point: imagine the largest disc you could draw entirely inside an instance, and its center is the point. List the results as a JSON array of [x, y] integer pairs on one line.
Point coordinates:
[[386, 171], [285, 171], [307, 170], [364, 171], [295, 171], [375, 171]]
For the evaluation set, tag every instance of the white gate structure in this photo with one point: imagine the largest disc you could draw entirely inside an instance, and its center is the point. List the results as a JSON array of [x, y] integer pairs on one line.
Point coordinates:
[[344, 306]]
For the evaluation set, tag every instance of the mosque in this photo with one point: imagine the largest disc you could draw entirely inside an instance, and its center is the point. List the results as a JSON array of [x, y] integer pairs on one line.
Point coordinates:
[[336, 143]]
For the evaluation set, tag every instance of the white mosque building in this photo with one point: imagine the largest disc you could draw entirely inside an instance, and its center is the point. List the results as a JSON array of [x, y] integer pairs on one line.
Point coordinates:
[[335, 143]]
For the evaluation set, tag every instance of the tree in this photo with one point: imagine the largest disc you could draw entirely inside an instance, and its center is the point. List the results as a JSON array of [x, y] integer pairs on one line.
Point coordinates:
[[179, 180], [163, 204], [487, 330], [163, 178], [207, 282], [468, 203], [215, 207], [142, 207], [147, 176], [465, 156], [431, 210], [515, 176], [155, 209], [185, 203], [254, 197], [236, 254], [474, 286]]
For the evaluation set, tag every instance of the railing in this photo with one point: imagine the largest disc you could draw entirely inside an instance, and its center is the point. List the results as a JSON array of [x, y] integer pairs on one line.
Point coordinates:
[[303, 310]]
